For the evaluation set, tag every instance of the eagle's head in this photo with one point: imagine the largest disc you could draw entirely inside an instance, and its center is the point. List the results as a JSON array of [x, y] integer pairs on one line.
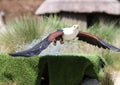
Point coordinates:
[[75, 27]]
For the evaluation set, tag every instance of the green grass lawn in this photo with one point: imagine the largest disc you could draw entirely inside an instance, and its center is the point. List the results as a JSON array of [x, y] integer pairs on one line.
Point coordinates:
[[21, 70], [64, 69]]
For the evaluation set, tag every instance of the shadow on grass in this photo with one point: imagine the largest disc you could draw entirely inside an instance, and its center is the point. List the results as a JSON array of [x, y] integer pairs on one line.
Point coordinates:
[[67, 70], [43, 77]]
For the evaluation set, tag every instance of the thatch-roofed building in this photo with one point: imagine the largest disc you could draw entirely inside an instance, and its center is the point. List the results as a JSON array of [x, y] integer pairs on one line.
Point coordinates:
[[84, 11]]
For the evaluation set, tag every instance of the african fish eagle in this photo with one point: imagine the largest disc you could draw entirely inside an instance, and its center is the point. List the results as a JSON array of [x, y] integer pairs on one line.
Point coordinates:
[[62, 35]]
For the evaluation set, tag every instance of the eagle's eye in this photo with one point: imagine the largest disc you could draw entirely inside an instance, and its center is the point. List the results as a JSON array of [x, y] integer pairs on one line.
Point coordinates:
[[74, 26]]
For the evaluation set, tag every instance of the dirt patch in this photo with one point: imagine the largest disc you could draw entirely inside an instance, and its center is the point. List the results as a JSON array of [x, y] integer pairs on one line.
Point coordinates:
[[14, 8]]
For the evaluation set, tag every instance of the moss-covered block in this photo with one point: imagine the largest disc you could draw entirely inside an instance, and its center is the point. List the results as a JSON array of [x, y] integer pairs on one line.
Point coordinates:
[[65, 69]]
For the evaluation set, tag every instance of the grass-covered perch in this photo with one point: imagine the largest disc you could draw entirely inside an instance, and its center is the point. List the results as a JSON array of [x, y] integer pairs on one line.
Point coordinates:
[[63, 69]]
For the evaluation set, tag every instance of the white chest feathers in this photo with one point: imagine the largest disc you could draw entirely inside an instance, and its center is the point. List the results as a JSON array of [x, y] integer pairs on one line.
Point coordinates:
[[70, 33]]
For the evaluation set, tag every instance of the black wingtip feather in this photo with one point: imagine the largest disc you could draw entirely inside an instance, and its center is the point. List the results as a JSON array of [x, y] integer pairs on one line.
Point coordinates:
[[17, 55], [111, 47], [35, 50], [26, 53]]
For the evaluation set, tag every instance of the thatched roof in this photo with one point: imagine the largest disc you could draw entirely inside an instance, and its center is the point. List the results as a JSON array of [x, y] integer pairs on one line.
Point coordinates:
[[80, 6]]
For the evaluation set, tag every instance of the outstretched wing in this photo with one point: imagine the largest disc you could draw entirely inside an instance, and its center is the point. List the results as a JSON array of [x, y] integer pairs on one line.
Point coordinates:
[[36, 50], [91, 39]]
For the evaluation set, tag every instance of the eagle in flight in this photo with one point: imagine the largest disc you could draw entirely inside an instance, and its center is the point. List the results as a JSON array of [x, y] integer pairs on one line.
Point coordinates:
[[62, 35]]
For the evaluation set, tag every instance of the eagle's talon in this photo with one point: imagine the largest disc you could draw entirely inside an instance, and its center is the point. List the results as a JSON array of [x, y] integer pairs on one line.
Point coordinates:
[[61, 42], [54, 43]]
